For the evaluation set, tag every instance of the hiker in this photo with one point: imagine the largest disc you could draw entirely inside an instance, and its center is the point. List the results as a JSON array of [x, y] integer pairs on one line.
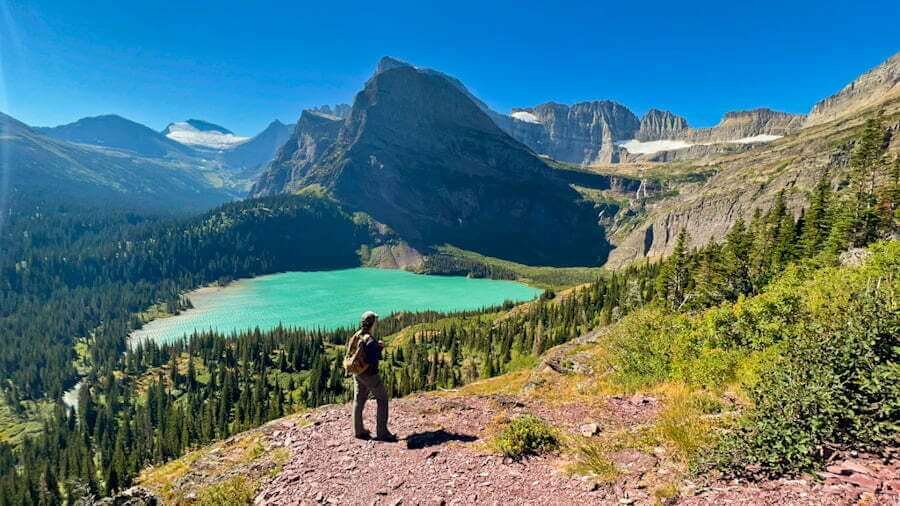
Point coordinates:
[[361, 360]]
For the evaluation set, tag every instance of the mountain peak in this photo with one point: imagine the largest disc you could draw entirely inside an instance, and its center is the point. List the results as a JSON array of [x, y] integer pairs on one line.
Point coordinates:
[[413, 155], [206, 126], [117, 132], [388, 63], [870, 89]]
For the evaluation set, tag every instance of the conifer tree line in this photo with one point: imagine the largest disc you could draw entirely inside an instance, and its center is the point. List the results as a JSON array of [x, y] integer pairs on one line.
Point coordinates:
[[68, 273], [156, 401]]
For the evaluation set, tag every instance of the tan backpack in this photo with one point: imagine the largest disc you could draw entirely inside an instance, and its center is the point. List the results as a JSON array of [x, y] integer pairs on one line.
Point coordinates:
[[355, 356]]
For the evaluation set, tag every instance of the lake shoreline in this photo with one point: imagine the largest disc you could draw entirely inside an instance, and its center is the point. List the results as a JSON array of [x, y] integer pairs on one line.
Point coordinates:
[[323, 299]]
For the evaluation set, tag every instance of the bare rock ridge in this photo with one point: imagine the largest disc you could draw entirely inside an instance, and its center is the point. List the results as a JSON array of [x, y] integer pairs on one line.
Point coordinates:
[[739, 125], [313, 134], [577, 133], [587, 133], [871, 88], [657, 124], [420, 156]]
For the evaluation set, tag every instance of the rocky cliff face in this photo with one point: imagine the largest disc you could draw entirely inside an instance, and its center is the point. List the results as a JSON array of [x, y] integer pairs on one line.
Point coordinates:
[[657, 124], [746, 124], [875, 86], [583, 133], [313, 136], [418, 155]]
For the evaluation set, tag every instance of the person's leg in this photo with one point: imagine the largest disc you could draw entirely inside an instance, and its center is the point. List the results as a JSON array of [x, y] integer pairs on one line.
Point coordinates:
[[360, 395], [381, 417]]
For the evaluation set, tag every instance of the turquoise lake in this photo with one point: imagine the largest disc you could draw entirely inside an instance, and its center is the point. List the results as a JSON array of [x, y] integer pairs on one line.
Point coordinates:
[[328, 299]]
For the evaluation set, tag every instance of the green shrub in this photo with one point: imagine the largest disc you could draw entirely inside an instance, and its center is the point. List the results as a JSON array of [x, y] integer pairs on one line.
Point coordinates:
[[526, 435], [837, 381]]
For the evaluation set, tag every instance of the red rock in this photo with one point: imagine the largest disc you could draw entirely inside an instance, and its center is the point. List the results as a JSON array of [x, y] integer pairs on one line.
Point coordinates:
[[863, 481], [848, 468], [891, 486]]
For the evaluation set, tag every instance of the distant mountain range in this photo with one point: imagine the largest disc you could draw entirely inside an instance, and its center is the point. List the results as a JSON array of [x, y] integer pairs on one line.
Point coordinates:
[[39, 166], [424, 157], [112, 131]]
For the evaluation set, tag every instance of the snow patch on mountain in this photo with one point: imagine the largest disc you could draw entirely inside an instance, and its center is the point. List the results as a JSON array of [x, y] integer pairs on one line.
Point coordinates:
[[637, 147], [187, 134], [525, 116], [756, 138]]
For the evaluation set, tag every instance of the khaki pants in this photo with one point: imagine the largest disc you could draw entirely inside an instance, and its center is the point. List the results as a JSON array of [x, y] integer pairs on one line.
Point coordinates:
[[366, 384]]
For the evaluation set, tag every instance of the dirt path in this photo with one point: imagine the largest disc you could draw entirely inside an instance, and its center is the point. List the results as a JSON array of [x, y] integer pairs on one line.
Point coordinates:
[[441, 458]]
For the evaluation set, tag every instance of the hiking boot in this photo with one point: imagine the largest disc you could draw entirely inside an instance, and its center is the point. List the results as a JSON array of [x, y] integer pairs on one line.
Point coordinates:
[[387, 438], [364, 435]]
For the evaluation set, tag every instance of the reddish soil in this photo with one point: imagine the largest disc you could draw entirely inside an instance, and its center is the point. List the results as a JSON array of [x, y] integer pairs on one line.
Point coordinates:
[[441, 458]]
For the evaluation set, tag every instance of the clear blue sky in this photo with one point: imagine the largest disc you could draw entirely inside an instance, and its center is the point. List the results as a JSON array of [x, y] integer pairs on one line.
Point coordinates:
[[242, 64]]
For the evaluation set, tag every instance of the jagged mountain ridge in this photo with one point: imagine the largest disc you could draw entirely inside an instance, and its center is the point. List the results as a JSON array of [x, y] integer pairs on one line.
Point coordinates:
[[657, 124], [313, 135], [872, 87], [418, 155], [589, 133]]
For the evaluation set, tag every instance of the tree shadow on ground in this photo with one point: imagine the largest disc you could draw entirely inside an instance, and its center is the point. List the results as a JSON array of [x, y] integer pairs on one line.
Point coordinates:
[[421, 440]]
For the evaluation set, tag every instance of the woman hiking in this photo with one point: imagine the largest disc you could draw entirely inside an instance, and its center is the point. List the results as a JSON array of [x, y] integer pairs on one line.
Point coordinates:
[[361, 360]]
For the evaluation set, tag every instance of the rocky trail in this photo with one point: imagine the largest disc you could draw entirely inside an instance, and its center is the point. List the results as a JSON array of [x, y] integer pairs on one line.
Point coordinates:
[[442, 458]]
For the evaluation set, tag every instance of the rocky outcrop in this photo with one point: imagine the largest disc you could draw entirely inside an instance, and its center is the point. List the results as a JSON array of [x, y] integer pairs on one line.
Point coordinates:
[[134, 496], [341, 111], [313, 135], [398, 255], [418, 155], [583, 133], [870, 89], [657, 124]]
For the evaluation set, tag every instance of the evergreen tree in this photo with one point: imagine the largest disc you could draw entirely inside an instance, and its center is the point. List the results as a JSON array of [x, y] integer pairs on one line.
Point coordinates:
[[675, 275], [816, 222]]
